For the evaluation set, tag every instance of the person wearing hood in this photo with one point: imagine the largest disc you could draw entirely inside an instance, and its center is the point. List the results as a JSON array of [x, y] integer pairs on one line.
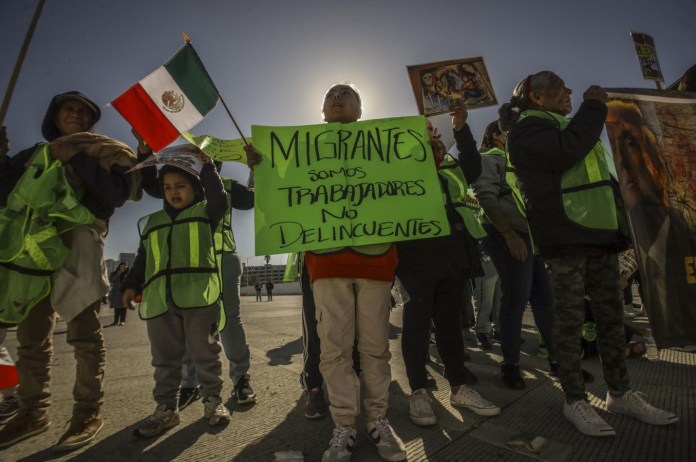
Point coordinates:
[[78, 285], [232, 333], [181, 291]]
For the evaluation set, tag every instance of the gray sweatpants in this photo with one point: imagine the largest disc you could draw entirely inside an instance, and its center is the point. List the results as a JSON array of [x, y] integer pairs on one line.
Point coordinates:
[[169, 335]]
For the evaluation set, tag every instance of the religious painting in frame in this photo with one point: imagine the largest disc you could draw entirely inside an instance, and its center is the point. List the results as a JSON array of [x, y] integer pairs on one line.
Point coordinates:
[[440, 87]]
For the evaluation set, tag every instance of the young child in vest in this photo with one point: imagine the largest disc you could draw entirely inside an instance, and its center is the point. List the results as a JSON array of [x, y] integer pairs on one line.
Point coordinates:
[[175, 269]]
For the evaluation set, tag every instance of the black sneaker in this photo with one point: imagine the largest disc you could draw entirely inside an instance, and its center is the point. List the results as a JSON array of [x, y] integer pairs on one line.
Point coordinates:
[[483, 342], [511, 376], [315, 404], [187, 395], [243, 392]]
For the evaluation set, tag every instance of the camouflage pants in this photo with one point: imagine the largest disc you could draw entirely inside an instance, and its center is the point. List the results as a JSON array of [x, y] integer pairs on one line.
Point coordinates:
[[598, 277]]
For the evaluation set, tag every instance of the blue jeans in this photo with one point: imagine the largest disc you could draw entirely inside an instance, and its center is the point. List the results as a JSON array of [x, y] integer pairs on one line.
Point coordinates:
[[233, 336], [521, 282], [487, 295]]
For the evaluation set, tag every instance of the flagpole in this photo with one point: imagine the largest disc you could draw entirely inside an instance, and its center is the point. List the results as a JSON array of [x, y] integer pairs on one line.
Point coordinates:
[[20, 60], [187, 39]]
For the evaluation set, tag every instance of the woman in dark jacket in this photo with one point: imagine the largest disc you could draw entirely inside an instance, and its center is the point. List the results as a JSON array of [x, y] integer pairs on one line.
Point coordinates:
[[574, 221], [116, 279]]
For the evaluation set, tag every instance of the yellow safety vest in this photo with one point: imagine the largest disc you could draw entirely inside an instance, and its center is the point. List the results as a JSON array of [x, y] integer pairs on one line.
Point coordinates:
[[189, 272], [586, 191], [41, 206], [458, 192]]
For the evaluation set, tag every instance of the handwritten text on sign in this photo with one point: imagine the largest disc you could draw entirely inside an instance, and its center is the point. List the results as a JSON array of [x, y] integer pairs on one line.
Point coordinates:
[[337, 185]]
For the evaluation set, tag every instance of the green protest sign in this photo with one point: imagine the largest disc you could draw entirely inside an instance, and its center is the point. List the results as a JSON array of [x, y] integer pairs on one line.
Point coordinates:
[[337, 185], [217, 149]]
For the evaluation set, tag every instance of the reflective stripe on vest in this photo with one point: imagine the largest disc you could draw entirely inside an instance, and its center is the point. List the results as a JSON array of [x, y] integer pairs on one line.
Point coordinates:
[[457, 188], [587, 195], [510, 179], [189, 275]]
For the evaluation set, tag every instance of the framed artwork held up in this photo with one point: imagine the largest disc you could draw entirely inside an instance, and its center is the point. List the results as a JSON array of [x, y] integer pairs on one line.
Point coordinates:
[[439, 87]]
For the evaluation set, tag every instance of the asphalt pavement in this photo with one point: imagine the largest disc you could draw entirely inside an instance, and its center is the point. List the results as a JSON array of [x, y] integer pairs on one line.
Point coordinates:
[[530, 427]]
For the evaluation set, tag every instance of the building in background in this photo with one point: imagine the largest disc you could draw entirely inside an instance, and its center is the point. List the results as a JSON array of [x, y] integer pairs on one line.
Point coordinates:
[[263, 273]]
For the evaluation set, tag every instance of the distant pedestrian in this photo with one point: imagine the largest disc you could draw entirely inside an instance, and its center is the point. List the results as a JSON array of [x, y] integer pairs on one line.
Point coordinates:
[[116, 279], [269, 291], [258, 287]]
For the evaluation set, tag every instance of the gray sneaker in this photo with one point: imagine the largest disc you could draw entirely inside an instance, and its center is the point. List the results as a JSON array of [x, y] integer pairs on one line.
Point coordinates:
[[342, 444], [632, 404], [389, 446], [420, 410], [586, 420], [215, 411], [161, 420]]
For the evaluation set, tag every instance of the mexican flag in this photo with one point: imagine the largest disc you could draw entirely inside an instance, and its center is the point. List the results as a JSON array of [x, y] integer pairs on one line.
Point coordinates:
[[170, 101]]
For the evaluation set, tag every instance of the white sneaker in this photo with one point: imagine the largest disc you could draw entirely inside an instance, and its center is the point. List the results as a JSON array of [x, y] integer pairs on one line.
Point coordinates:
[[471, 400], [586, 420], [215, 411], [420, 410], [342, 444], [389, 446], [632, 404]]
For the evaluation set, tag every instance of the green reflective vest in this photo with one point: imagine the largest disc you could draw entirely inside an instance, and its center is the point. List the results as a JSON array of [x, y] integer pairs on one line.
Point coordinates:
[[180, 261], [293, 266], [510, 179], [41, 206], [586, 191], [462, 201]]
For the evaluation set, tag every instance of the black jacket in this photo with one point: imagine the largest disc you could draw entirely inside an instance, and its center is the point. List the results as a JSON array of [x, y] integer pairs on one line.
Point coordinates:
[[541, 152], [454, 256]]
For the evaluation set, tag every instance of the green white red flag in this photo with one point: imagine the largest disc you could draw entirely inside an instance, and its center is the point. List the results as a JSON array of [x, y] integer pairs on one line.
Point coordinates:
[[170, 101]]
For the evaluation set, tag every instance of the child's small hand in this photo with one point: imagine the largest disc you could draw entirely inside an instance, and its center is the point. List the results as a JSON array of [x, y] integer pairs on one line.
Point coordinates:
[[128, 298]]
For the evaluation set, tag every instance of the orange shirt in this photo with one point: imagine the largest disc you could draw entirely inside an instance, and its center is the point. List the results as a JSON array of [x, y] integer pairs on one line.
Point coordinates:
[[350, 264]]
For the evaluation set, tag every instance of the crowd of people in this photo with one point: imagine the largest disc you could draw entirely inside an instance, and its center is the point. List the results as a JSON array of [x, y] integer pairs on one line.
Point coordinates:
[[543, 228]]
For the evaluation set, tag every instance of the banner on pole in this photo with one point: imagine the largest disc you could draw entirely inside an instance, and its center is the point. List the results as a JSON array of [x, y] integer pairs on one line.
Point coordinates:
[[653, 140]]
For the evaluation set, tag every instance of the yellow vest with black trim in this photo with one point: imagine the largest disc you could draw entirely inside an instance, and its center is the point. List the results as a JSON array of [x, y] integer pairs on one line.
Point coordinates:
[[181, 266], [457, 190], [586, 191], [41, 206], [510, 179]]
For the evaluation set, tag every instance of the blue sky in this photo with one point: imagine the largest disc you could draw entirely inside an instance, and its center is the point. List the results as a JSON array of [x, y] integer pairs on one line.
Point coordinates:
[[273, 60]]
